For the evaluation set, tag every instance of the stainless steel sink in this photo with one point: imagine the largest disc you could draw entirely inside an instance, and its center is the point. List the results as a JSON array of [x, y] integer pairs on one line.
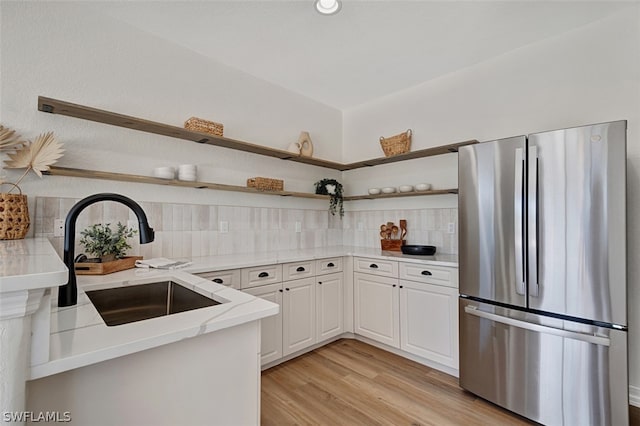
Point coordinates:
[[123, 305]]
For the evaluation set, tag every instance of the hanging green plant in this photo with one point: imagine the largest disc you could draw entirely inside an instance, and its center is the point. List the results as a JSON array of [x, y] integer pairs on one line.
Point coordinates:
[[333, 189]]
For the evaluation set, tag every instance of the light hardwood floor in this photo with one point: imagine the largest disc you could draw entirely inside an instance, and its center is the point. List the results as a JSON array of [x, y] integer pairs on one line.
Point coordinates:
[[352, 383]]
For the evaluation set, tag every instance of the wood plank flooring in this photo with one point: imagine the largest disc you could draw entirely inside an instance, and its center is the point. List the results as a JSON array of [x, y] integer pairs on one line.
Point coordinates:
[[349, 382]]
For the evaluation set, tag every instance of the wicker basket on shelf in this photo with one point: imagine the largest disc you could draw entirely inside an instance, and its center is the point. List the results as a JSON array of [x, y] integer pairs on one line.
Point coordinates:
[[265, 184], [14, 215], [204, 126], [397, 144]]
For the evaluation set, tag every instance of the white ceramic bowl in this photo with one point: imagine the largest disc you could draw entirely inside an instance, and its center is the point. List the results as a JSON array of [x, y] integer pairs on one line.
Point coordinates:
[[374, 191], [388, 190], [164, 172], [423, 186], [405, 188]]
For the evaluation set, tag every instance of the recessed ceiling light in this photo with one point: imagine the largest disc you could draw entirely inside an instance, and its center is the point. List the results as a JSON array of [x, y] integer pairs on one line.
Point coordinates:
[[328, 7]]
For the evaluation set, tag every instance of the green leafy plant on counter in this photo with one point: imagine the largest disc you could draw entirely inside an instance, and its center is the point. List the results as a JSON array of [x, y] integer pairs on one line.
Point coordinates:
[[105, 243], [333, 189]]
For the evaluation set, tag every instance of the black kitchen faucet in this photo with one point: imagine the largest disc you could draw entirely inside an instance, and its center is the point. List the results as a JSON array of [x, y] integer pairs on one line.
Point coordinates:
[[68, 293]]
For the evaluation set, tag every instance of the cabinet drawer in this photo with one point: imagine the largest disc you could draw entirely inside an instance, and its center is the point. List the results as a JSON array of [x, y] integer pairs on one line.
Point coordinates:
[[437, 275], [230, 278], [260, 275], [295, 270], [328, 266], [384, 268]]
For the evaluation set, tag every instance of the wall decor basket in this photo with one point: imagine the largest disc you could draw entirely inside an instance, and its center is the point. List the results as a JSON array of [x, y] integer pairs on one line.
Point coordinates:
[[265, 184], [14, 215], [397, 144], [204, 126]]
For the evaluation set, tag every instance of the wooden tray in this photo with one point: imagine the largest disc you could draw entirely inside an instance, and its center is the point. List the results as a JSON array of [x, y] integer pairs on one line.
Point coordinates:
[[90, 268], [392, 245]]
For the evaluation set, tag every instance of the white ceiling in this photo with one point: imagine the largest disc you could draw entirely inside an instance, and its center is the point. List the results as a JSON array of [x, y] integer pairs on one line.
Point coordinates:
[[368, 50]]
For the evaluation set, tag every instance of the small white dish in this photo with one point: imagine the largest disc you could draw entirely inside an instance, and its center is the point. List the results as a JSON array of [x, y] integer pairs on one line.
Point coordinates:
[[423, 186], [374, 191], [405, 188], [388, 190]]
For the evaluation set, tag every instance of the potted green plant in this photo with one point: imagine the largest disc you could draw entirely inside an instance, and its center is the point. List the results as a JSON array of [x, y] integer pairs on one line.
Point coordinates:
[[333, 189], [107, 244]]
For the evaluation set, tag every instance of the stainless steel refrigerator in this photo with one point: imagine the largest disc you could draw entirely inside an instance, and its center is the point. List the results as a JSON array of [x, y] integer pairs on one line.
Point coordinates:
[[543, 293]]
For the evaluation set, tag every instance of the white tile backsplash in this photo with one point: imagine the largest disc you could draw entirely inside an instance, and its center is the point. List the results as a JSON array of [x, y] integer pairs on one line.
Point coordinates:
[[186, 230]]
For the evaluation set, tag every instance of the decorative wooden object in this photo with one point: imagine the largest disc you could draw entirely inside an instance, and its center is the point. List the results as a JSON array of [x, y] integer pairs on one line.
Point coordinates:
[[392, 245], [55, 106], [265, 184], [104, 268]]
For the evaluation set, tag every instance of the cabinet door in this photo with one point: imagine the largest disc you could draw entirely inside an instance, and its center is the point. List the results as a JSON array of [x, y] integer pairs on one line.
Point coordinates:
[[299, 315], [429, 321], [376, 308], [329, 305], [271, 327]]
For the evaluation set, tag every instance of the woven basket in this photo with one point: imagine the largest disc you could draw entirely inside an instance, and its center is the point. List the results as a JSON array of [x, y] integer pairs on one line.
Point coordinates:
[[203, 126], [397, 144], [265, 184], [14, 215]]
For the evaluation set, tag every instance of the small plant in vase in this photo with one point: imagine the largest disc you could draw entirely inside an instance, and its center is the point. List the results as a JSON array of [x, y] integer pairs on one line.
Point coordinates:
[[333, 189], [36, 155], [105, 243]]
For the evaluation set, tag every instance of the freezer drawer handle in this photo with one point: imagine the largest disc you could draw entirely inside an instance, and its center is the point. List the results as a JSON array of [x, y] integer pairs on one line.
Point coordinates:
[[300, 269], [217, 280], [589, 338], [426, 273]]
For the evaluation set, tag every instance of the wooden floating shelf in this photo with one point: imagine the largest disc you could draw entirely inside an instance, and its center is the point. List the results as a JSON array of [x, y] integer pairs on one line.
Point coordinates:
[[124, 177], [401, 194], [54, 106]]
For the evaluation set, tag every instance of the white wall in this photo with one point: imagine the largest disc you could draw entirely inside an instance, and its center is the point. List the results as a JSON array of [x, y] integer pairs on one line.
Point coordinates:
[[585, 76], [65, 51]]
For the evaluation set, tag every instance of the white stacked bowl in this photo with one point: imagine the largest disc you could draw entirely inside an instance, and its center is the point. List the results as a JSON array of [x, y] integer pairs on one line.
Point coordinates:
[[188, 172]]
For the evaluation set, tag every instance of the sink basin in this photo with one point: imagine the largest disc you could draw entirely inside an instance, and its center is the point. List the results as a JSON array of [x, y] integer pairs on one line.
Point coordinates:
[[123, 305]]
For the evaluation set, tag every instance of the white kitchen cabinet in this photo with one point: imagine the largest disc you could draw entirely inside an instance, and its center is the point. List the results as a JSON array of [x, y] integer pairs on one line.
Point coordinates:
[[298, 315], [271, 327], [329, 306], [376, 301], [230, 278], [260, 275], [429, 321]]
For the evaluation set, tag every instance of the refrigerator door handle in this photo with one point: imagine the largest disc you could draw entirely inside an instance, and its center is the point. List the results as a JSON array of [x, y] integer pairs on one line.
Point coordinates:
[[589, 338], [532, 221], [518, 220]]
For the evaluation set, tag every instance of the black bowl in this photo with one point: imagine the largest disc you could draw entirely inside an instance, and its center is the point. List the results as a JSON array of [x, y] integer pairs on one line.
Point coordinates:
[[419, 250]]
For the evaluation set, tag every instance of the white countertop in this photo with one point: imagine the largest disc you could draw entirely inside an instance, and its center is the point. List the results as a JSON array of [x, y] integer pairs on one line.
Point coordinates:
[[80, 337], [29, 264], [233, 261]]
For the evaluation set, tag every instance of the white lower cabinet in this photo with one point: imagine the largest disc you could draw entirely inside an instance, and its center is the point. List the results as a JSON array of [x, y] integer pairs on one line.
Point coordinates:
[[429, 321], [376, 307], [329, 306], [271, 327], [298, 315]]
